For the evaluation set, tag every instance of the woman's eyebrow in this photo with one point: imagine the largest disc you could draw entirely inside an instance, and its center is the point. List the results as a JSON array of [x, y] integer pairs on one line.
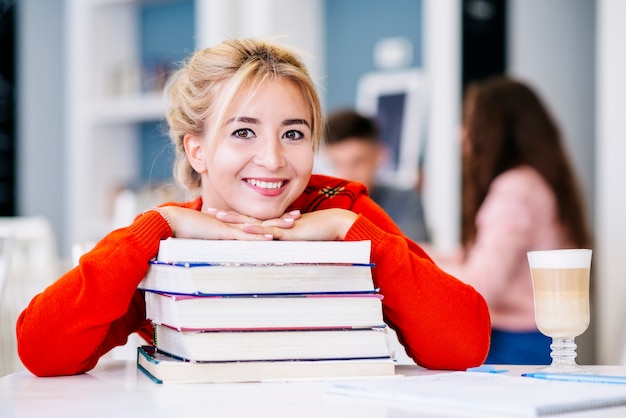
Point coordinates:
[[246, 119], [255, 121], [296, 122]]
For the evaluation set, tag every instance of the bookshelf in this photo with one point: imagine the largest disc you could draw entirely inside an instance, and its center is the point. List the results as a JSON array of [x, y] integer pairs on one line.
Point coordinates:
[[109, 97], [111, 100]]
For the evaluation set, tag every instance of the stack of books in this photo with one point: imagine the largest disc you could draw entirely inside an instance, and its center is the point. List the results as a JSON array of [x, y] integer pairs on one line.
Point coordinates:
[[234, 311]]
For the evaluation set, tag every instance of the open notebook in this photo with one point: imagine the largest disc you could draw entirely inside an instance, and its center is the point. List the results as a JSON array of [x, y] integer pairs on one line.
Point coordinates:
[[486, 394]]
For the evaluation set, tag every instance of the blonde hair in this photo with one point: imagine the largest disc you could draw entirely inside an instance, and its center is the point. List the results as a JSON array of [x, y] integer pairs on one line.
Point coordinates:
[[209, 81]]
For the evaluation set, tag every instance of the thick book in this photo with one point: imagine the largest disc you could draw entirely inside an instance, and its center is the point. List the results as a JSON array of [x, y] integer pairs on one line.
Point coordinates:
[[486, 394], [162, 368], [229, 278], [235, 251], [355, 310], [272, 345]]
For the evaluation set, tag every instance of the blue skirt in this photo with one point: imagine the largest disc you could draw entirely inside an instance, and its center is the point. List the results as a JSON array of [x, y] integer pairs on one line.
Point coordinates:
[[528, 348]]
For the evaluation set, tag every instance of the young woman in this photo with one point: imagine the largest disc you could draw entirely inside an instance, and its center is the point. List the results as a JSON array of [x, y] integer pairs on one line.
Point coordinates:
[[519, 194], [245, 120]]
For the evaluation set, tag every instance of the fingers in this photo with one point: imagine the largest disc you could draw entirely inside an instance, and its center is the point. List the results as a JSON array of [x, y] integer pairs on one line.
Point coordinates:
[[258, 229], [193, 224], [231, 217], [285, 221]]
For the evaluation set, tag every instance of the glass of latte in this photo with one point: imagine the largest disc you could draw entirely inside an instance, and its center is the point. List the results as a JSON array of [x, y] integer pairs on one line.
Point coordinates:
[[561, 291]]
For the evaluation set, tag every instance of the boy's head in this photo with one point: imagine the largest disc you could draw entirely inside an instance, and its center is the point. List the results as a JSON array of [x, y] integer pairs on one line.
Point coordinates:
[[353, 147]]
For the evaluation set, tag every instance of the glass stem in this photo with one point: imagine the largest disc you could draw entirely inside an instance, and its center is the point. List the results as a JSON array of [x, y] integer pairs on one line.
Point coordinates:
[[563, 351]]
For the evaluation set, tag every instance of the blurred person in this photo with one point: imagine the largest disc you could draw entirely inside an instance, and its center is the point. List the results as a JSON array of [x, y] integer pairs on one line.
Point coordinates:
[[519, 194], [355, 151]]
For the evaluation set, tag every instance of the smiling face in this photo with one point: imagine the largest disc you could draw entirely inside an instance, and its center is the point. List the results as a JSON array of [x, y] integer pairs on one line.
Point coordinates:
[[262, 156]]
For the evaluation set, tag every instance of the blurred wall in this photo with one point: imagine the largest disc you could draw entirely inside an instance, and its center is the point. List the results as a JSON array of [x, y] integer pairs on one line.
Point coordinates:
[[40, 115], [610, 199], [352, 29]]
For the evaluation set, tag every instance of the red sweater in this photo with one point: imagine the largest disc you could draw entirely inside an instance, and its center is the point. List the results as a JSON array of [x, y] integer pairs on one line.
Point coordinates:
[[443, 323]]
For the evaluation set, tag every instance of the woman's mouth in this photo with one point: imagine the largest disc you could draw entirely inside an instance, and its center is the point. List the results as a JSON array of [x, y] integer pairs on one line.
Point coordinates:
[[263, 184], [267, 187]]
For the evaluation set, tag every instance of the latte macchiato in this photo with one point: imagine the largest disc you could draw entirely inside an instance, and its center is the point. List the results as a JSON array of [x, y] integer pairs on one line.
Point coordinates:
[[561, 301]]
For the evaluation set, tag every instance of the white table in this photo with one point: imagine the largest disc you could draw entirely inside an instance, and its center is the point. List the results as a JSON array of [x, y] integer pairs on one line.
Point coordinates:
[[117, 389]]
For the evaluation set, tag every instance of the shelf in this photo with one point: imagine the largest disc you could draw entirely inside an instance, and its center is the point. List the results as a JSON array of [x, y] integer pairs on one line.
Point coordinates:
[[129, 109]]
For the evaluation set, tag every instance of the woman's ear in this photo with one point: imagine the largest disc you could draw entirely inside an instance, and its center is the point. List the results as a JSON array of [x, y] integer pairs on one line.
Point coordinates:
[[196, 153]]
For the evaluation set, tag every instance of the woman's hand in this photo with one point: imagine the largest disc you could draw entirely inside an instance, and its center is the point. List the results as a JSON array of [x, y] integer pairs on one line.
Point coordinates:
[[322, 225], [189, 223], [285, 221]]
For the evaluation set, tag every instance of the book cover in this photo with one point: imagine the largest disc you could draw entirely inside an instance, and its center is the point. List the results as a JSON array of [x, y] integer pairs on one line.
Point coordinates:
[[358, 310], [272, 345], [486, 394], [237, 278], [162, 368], [235, 251]]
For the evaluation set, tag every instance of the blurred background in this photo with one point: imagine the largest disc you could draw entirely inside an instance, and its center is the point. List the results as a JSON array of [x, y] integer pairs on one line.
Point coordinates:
[[82, 145]]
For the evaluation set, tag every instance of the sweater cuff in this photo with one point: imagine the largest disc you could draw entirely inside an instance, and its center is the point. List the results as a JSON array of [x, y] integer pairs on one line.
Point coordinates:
[[364, 229], [149, 229]]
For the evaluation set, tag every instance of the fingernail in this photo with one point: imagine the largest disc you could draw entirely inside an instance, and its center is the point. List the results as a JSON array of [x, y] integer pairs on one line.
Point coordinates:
[[211, 210], [295, 212], [288, 220], [219, 213], [270, 236]]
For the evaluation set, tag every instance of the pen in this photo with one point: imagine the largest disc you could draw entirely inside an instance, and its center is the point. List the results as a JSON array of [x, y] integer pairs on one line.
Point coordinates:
[[486, 368], [591, 378]]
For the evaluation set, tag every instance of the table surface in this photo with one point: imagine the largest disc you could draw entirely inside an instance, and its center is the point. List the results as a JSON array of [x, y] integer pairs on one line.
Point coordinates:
[[115, 388]]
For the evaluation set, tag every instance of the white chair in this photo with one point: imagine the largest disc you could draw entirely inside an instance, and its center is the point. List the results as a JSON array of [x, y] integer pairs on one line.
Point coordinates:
[[29, 263]]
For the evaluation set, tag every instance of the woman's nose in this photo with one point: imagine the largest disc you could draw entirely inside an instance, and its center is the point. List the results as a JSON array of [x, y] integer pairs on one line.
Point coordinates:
[[270, 155]]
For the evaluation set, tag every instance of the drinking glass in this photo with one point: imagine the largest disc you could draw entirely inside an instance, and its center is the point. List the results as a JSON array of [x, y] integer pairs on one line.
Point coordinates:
[[561, 293]]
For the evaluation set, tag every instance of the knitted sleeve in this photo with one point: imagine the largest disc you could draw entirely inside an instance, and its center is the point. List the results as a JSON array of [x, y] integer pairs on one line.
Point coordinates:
[[93, 307], [442, 322]]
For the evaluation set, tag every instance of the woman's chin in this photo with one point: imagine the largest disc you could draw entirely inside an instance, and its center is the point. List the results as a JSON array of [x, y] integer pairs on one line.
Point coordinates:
[[266, 214]]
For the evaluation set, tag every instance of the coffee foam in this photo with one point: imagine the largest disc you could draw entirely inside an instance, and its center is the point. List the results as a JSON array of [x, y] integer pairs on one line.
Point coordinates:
[[571, 258]]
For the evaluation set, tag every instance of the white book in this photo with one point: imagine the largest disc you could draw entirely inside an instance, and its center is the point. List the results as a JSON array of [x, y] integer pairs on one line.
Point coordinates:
[[362, 310], [272, 345], [232, 279], [235, 251]]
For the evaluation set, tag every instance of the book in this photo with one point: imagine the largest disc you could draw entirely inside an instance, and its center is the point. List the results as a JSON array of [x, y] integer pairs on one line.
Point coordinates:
[[355, 310], [162, 368], [271, 345], [235, 251], [486, 394], [230, 278]]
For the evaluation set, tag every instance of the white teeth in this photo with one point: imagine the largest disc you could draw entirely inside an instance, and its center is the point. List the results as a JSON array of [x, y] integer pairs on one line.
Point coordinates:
[[265, 184]]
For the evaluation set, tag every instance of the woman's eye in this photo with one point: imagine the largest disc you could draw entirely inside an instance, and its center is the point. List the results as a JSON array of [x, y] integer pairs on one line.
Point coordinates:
[[293, 135], [243, 133]]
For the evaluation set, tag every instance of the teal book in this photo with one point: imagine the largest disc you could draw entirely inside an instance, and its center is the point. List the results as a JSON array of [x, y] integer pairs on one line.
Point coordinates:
[[162, 368]]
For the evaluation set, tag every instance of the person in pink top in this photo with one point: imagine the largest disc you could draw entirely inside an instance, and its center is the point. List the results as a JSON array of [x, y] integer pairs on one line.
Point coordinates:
[[519, 194]]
